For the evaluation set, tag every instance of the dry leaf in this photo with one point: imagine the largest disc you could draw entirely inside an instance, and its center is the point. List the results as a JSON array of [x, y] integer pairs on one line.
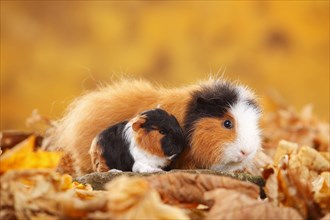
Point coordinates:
[[11, 138], [189, 188], [287, 183], [22, 156], [321, 188], [38, 123], [311, 159], [72, 206], [261, 160], [41, 193], [284, 148], [231, 204], [326, 155], [271, 186], [303, 128], [134, 198]]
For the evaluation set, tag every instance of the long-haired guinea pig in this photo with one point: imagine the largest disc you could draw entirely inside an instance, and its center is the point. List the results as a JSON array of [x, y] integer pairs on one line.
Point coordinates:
[[147, 143], [219, 121]]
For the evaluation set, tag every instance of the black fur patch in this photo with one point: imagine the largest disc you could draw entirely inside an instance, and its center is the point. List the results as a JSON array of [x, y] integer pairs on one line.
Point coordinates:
[[210, 101], [173, 140], [115, 148]]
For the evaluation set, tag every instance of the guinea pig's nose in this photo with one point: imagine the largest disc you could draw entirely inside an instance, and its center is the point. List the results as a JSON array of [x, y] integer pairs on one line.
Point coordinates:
[[244, 153]]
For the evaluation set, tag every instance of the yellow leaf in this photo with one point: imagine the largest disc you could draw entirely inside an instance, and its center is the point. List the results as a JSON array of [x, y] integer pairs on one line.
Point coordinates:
[[66, 182], [22, 156]]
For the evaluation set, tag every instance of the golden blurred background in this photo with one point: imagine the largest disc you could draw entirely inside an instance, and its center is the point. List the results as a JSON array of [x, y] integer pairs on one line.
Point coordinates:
[[53, 51]]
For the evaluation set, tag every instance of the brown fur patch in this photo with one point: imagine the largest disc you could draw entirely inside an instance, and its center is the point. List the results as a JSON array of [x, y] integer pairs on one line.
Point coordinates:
[[98, 162], [150, 141], [66, 165], [207, 142]]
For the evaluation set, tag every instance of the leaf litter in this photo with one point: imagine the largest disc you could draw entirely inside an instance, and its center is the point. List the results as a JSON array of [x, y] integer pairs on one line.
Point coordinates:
[[297, 175]]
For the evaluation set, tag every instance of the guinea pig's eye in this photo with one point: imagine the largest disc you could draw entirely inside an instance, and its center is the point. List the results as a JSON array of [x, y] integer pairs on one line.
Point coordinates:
[[228, 124], [163, 132]]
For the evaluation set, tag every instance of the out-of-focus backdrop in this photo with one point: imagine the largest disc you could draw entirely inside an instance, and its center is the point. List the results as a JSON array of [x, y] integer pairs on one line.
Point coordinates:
[[52, 51]]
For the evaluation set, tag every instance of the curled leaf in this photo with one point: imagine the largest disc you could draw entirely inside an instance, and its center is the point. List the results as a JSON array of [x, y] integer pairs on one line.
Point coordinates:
[[321, 188], [284, 148], [134, 198], [310, 158]]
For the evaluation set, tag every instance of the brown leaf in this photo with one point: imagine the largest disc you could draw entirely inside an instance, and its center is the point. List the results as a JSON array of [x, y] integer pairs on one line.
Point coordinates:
[[9, 139], [72, 206], [41, 193], [284, 148], [38, 123], [271, 186], [310, 158], [294, 192], [303, 128], [189, 188], [231, 204], [134, 198], [293, 175], [321, 189]]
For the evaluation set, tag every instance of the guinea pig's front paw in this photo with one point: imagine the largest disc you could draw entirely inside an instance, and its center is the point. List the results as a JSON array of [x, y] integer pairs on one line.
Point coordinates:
[[142, 168], [115, 171], [150, 170]]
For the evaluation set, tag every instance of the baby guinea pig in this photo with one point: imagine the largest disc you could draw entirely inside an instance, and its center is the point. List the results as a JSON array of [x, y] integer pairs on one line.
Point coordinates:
[[147, 143]]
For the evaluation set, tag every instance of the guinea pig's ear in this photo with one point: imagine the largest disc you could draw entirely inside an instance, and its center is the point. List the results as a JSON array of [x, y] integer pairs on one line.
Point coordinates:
[[201, 103], [138, 121], [204, 104], [159, 106]]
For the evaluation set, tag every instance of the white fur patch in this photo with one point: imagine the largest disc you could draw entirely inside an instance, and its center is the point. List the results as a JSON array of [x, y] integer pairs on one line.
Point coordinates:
[[115, 171], [144, 161], [241, 152]]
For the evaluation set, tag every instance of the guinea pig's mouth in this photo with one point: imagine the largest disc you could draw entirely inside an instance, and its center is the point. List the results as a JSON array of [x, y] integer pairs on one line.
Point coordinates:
[[234, 163]]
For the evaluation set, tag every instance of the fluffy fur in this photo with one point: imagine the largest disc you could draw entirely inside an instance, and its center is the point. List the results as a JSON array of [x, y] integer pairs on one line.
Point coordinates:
[[200, 109]]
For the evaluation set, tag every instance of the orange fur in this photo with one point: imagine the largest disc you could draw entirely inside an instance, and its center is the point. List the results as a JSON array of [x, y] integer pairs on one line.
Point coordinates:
[[208, 142], [150, 142], [97, 110]]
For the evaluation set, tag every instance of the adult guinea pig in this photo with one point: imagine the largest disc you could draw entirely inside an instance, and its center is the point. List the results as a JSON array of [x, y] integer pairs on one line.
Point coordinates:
[[147, 143], [219, 121]]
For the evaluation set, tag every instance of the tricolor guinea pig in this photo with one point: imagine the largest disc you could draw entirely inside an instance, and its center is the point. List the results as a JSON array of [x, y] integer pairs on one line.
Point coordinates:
[[147, 143], [220, 121]]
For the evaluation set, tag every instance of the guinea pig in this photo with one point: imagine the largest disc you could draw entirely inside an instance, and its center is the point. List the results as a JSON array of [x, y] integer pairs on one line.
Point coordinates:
[[146, 143], [220, 121]]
